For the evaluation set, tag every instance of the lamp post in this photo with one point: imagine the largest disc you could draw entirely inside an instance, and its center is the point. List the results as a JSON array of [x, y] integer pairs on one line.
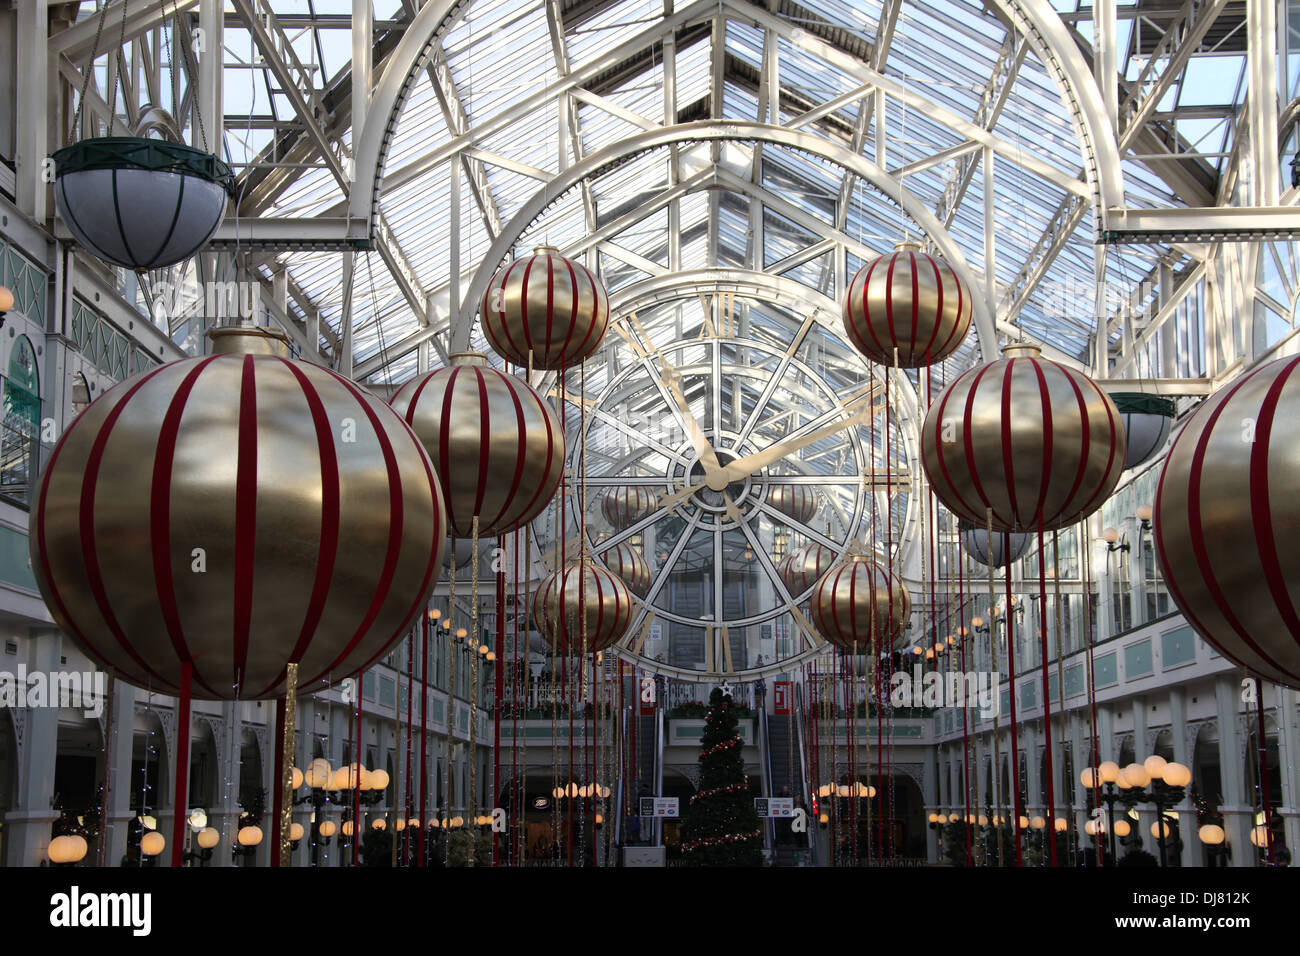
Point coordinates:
[[1108, 773], [1217, 850], [1167, 781]]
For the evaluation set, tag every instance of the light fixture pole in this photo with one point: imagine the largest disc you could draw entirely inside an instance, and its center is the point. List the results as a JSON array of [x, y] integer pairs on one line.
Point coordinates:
[[1167, 781], [1107, 773]]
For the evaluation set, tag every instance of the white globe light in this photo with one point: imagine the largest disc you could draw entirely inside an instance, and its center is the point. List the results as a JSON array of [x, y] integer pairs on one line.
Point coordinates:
[[1177, 775], [66, 849], [1211, 834], [1137, 776], [152, 843]]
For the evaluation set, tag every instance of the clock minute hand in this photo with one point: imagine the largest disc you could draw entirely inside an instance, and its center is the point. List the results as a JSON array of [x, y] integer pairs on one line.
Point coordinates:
[[708, 458], [742, 467]]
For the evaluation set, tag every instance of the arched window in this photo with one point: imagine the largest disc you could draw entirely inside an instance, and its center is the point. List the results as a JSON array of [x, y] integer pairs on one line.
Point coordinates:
[[22, 421]]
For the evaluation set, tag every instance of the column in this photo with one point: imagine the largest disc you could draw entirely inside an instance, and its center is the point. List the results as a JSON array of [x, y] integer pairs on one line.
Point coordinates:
[[27, 824], [1081, 747], [1033, 779], [1106, 734], [270, 781], [1182, 754], [33, 107], [931, 777], [1146, 811], [119, 727], [302, 757], [338, 722], [1137, 584], [1238, 815], [225, 815], [1261, 60], [1289, 754], [208, 135]]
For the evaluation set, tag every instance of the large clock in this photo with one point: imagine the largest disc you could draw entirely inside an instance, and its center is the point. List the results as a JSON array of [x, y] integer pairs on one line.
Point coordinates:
[[719, 431]]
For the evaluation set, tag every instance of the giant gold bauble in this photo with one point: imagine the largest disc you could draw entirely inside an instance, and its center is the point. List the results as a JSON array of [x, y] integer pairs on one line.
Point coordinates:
[[496, 445], [627, 562], [907, 306], [1038, 443], [545, 311], [1227, 514], [239, 512], [625, 505], [797, 502], [804, 567], [603, 598], [860, 603]]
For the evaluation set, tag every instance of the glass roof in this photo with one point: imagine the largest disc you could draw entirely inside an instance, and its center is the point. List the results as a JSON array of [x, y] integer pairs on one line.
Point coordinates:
[[514, 92]]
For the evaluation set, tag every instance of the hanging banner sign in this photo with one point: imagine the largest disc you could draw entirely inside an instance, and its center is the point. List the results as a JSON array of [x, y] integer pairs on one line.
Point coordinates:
[[781, 697], [774, 806], [659, 807]]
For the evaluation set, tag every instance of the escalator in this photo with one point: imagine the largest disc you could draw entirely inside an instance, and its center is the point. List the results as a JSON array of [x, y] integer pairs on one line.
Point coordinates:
[[803, 848], [781, 752]]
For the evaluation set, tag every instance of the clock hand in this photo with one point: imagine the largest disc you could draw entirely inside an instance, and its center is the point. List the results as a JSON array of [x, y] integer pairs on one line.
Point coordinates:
[[672, 379], [708, 458], [733, 512], [681, 494], [742, 467]]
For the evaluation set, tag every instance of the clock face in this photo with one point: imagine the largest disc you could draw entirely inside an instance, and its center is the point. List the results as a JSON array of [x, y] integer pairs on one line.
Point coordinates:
[[717, 436]]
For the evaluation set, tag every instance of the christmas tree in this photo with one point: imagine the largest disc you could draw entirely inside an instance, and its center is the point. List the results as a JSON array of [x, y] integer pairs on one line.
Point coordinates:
[[721, 827]]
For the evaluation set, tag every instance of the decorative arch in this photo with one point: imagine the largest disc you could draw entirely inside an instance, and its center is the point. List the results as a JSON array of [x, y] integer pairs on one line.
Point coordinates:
[[1035, 19], [716, 131]]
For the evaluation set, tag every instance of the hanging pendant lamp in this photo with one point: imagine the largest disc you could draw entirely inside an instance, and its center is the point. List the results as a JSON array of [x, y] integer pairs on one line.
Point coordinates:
[[140, 203]]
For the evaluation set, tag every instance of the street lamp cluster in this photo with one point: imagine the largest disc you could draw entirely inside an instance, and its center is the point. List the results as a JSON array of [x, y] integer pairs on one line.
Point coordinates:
[[1128, 785]]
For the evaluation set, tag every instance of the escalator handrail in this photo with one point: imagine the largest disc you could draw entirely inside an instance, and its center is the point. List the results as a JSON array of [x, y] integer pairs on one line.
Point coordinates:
[[804, 793], [765, 770]]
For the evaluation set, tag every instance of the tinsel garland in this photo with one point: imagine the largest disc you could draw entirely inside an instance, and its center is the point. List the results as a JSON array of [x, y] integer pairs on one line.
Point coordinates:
[[714, 841], [718, 748], [729, 788]]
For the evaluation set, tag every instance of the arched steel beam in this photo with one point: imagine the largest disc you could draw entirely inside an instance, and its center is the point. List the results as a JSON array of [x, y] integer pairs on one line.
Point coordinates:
[[717, 131], [1051, 41], [1034, 18], [386, 103]]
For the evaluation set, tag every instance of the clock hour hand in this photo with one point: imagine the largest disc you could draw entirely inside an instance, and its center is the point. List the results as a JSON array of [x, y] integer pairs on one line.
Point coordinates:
[[671, 500]]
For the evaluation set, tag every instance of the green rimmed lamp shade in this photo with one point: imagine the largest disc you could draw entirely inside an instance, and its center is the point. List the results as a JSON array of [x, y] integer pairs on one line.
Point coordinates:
[[1147, 420], [140, 203], [1006, 547]]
